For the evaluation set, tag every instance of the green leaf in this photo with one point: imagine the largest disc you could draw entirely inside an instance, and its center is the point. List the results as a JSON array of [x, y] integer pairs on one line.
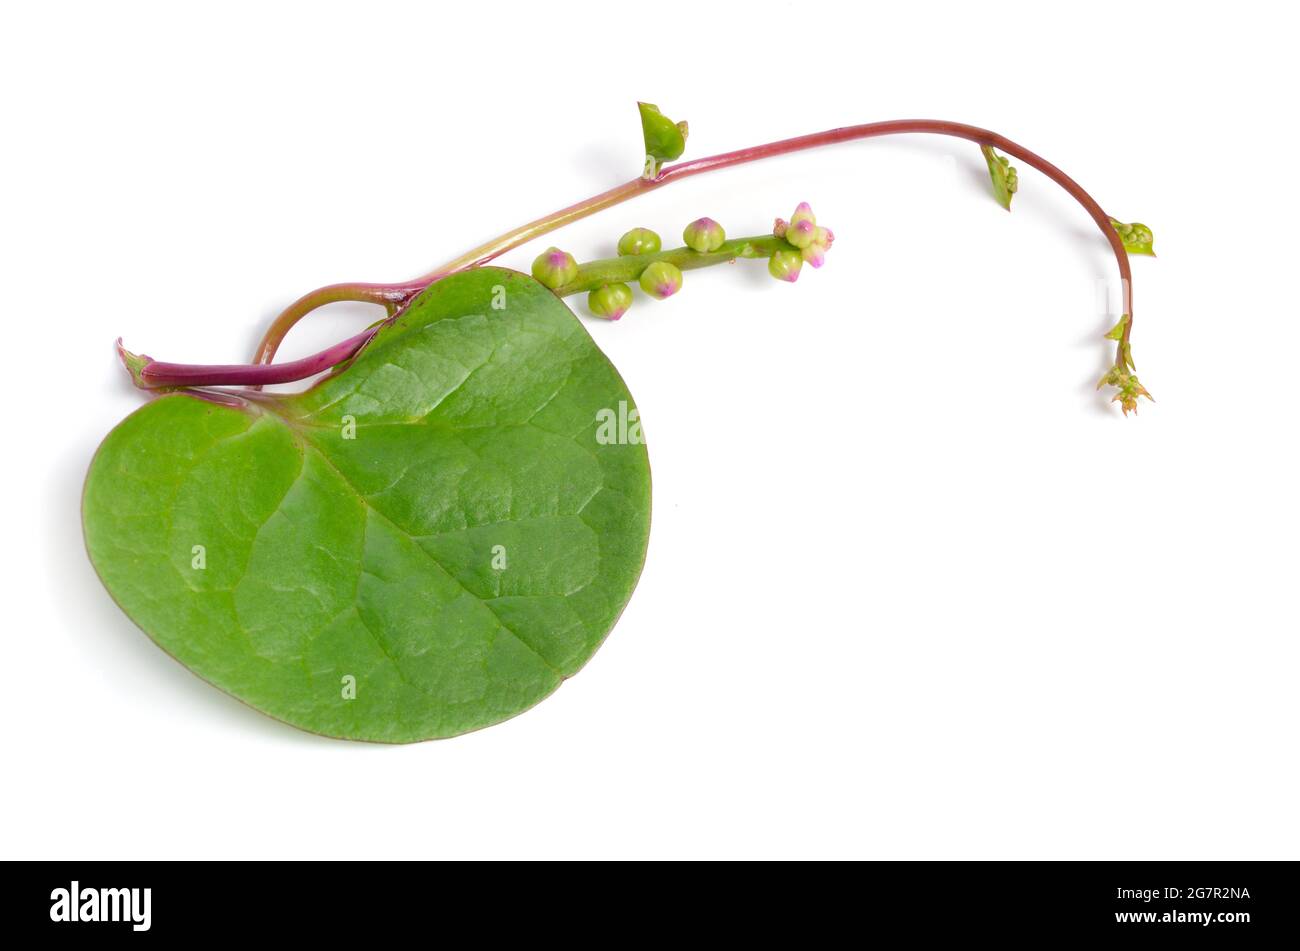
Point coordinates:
[[665, 140], [424, 543], [1005, 180], [1137, 237], [1117, 332]]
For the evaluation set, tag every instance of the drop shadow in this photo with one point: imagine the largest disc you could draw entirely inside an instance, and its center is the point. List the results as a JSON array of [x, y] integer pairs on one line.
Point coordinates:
[[971, 170], [599, 163]]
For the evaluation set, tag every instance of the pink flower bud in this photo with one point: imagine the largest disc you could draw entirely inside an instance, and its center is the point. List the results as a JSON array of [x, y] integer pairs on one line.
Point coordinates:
[[704, 235], [554, 267], [803, 213], [661, 280], [801, 232], [815, 252], [784, 265], [610, 301]]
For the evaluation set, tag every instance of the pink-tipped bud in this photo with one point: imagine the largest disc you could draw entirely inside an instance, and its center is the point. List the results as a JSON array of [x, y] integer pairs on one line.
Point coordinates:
[[785, 264], [803, 213], [554, 268], [779, 227], [610, 301], [801, 232], [815, 252], [704, 235], [661, 280]]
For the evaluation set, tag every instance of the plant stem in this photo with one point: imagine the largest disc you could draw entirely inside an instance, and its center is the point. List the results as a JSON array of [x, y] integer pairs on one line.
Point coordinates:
[[391, 296], [398, 294], [152, 374]]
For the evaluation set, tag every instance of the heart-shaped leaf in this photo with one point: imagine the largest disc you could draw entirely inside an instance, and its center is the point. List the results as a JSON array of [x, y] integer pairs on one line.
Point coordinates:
[[422, 544]]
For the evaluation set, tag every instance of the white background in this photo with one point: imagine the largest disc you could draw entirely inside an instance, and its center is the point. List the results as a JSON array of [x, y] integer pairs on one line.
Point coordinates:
[[914, 589]]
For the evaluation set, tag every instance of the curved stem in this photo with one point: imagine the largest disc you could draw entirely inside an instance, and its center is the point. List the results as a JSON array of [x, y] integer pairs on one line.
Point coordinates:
[[155, 374], [521, 235], [390, 296]]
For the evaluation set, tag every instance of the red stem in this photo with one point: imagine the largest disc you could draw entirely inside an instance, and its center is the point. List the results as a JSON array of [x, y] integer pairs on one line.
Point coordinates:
[[937, 127], [395, 296], [159, 374]]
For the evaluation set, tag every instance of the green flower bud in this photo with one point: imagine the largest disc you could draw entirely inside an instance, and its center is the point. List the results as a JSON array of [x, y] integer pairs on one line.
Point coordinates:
[[801, 230], [784, 265], [639, 241], [801, 233], [1004, 178], [1128, 386], [661, 280], [554, 267], [610, 301], [803, 212], [704, 235], [815, 253]]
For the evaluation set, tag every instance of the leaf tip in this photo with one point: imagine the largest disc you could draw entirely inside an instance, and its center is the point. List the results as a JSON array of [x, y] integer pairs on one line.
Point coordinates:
[[135, 363], [1117, 332]]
